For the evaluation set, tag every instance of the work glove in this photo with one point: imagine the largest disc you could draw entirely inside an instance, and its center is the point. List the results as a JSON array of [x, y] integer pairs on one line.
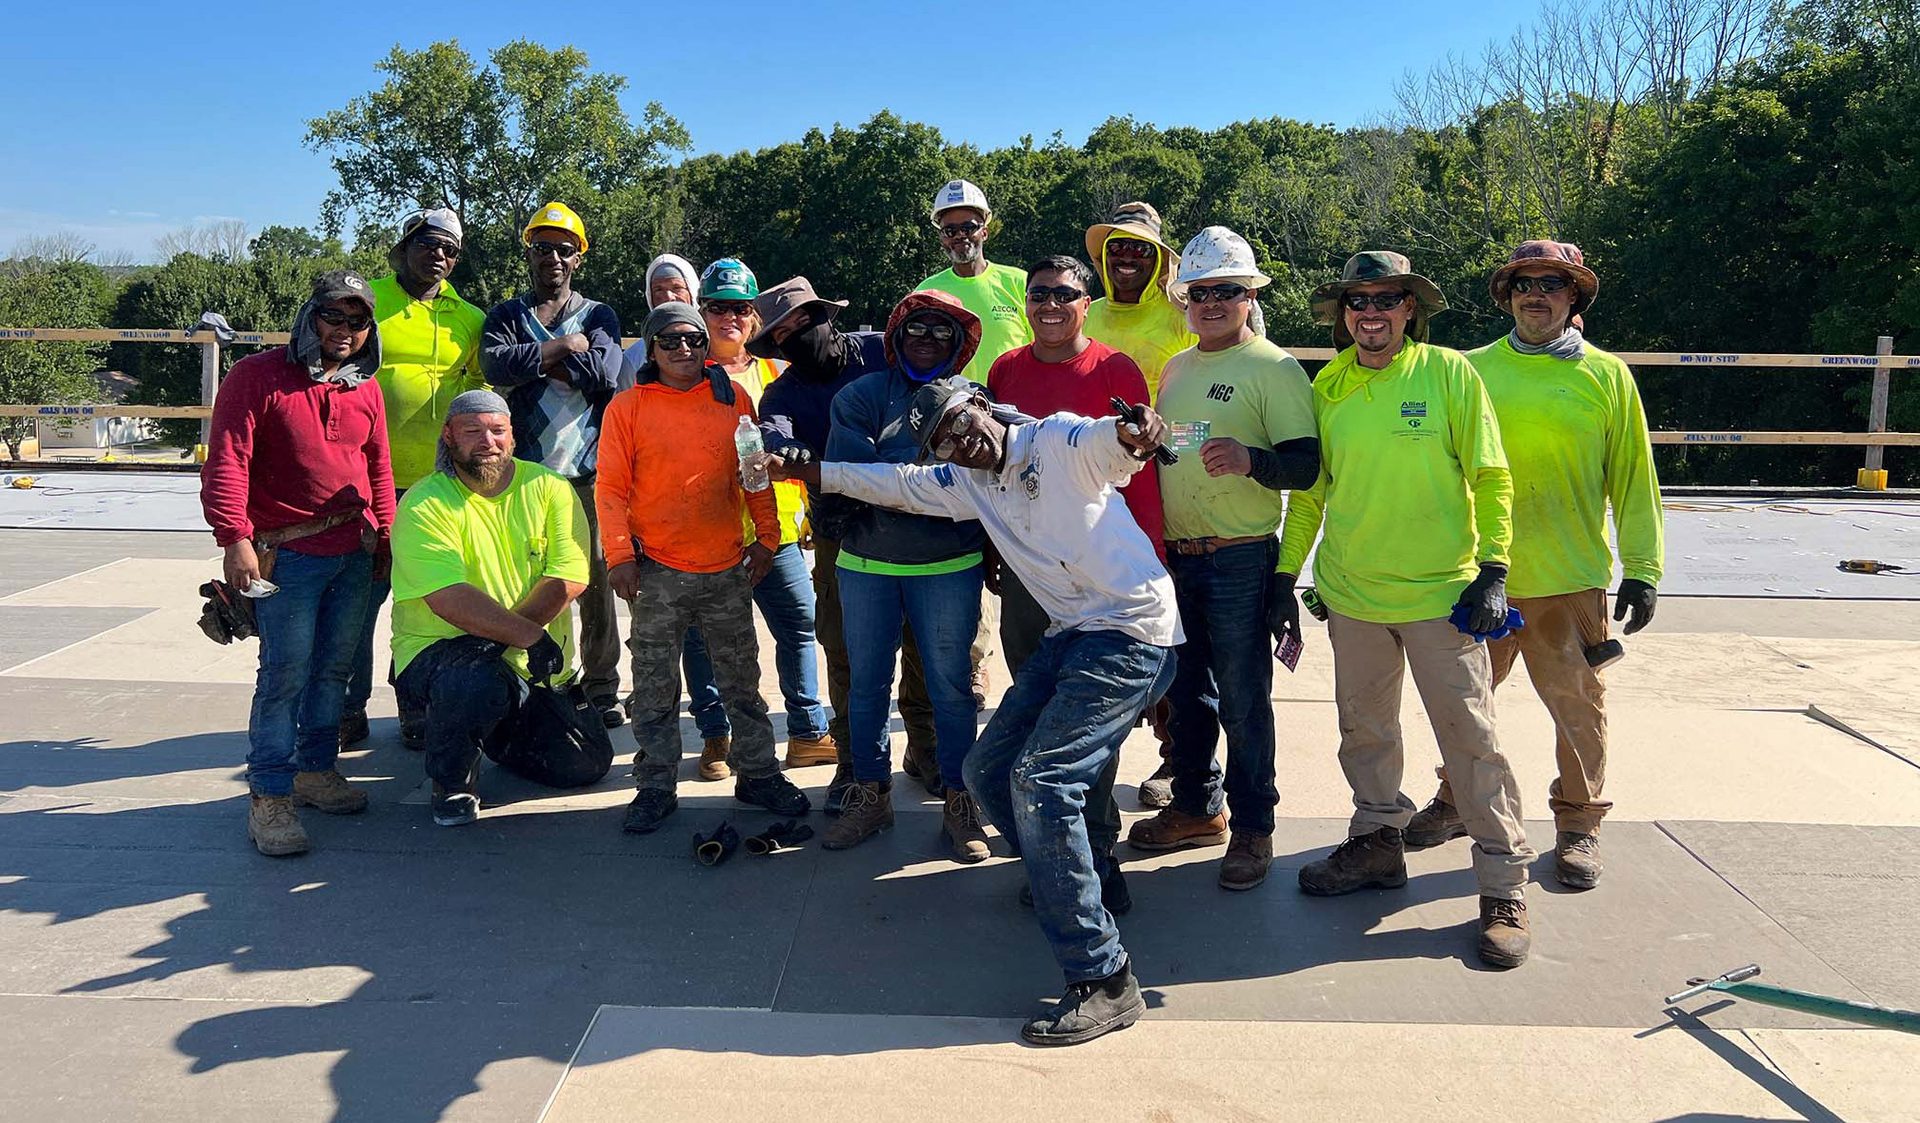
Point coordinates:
[[791, 451], [1486, 599], [1637, 598], [1283, 609], [544, 659]]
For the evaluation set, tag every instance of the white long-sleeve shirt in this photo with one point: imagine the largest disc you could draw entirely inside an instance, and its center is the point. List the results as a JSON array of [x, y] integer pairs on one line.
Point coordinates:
[[1055, 517]]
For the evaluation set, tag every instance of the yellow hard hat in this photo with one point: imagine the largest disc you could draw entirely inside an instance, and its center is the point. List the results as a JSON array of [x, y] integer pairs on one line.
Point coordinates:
[[560, 217]]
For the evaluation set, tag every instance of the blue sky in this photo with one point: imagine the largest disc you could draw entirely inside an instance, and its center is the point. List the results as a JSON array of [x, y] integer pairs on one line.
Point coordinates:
[[125, 121]]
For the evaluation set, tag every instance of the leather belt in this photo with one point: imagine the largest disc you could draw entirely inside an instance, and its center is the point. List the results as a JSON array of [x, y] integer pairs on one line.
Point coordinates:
[[267, 539], [1209, 545]]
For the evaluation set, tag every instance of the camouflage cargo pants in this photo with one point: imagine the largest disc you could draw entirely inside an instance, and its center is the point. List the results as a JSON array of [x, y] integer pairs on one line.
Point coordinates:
[[721, 606]]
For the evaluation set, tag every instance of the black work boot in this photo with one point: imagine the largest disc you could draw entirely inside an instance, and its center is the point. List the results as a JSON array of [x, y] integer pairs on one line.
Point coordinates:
[[837, 788], [776, 793], [650, 808], [353, 728], [1437, 822], [1088, 1010], [1375, 860]]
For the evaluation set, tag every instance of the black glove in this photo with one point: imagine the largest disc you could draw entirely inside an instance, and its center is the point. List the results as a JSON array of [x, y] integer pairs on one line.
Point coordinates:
[[1283, 609], [1486, 598], [544, 659], [1637, 598], [793, 452]]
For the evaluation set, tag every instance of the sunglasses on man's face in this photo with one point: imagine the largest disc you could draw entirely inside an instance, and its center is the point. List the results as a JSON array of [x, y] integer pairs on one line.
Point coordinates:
[[965, 229], [741, 308], [354, 321], [1378, 301], [939, 333], [446, 249], [1058, 294], [965, 421], [1128, 247], [1552, 282], [679, 340], [552, 249], [1218, 294]]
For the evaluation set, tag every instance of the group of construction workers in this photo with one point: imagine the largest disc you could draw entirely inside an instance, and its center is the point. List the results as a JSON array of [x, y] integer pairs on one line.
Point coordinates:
[[1120, 493]]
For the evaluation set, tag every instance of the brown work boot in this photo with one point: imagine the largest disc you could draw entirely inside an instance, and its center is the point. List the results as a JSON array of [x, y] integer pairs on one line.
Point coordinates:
[[982, 683], [274, 827], [329, 792], [923, 767], [1172, 830], [1376, 860], [1248, 856], [866, 810], [1434, 824], [837, 788], [1576, 856], [713, 758], [960, 824], [805, 752], [1504, 939]]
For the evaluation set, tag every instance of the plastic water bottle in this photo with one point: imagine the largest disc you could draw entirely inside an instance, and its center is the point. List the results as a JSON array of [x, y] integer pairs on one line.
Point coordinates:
[[753, 456]]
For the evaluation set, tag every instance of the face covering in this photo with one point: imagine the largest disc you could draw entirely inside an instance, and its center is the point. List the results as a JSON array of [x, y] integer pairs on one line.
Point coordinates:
[[817, 353], [1569, 344]]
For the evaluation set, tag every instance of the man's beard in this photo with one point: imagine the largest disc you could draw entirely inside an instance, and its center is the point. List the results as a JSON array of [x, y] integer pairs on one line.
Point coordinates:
[[970, 254], [490, 472]]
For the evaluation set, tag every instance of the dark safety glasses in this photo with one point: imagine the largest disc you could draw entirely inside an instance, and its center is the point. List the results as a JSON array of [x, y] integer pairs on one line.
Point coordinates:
[[1552, 282], [962, 229], [742, 308], [1378, 301], [441, 246], [552, 249], [1129, 247], [964, 422], [333, 317], [688, 340], [1058, 294], [941, 333], [1219, 294]]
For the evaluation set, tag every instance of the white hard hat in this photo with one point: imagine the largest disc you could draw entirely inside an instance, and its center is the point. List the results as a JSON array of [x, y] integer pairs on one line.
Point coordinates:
[[960, 193], [1218, 254]]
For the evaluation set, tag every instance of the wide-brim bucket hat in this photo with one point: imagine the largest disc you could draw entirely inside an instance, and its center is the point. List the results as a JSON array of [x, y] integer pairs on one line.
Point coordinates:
[[1217, 254], [777, 302], [1377, 267], [1133, 220], [1563, 256]]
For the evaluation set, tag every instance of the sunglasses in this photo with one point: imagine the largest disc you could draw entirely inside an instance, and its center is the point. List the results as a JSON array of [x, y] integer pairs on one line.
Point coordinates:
[[681, 340], [1058, 294], [1552, 282], [333, 317], [940, 333], [740, 308], [1218, 294], [1378, 301], [552, 249], [957, 229], [965, 421], [1128, 247], [446, 249]]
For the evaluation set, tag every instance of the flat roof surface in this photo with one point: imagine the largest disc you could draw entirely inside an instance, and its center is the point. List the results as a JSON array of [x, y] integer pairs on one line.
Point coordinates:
[[1765, 772]]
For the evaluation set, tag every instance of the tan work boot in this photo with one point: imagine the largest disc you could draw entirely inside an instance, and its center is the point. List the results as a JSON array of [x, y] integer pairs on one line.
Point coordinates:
[[1504, 938], [1576, 859], [1375, 860], [329, 792], [960, 824], [274, 827], [713, 758], [1248, 856], [866, 811], [1172, 830], [805, 752]]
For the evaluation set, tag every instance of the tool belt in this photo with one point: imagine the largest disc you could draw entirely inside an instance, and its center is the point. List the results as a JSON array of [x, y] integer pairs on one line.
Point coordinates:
[[1210, 545], [227, 615], [267, 543]]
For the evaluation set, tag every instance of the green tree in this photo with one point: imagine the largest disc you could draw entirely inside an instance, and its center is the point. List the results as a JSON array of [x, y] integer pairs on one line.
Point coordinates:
[[47, 294]]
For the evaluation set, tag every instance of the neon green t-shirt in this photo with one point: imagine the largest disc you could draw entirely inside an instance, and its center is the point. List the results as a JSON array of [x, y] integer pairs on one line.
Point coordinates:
[[429, 355], [1576, 439], [999, 297], [1256, 394], [445, 535], [1413, 487]]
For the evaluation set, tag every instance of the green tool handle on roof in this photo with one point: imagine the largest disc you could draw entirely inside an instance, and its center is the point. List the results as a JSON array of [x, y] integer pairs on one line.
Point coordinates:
[[1738, 983]]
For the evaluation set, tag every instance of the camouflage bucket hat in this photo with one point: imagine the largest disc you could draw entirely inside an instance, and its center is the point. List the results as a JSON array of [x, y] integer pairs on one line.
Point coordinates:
[[1377, 267], [1563, 256]]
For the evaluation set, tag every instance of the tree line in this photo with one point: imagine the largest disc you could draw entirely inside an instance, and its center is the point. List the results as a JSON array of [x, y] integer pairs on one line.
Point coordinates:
[[1739, 173]]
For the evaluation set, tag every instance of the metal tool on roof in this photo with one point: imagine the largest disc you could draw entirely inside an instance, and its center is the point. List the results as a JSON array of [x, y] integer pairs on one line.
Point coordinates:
[[1739, 983], [1869, 565]]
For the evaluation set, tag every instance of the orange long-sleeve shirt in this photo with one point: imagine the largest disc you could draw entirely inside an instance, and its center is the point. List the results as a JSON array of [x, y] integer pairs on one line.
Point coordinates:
[[669, 480]]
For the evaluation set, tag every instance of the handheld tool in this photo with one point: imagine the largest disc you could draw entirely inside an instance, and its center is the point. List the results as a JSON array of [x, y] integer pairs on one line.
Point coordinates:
[[1738, 982], [1163, 454]]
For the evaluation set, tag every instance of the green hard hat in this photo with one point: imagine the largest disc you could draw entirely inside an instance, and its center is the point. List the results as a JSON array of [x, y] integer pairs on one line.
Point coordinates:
[[728, 279]]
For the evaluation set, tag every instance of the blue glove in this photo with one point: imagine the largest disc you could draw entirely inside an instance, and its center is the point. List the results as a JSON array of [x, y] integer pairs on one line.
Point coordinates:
[[1462, 615]]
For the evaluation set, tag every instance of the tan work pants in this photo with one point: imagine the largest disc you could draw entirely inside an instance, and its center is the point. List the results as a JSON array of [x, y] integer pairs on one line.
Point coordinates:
[[1554, 643], [1455, 678]]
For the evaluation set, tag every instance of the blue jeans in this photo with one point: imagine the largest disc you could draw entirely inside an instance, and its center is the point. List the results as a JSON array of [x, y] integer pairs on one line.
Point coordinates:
[[944, 610], [785, 597], [1225, 680], [463, 688], [308, 631], [1058, 729]]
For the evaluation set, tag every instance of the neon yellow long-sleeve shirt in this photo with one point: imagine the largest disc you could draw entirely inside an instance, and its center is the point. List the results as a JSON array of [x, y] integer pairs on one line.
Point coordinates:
[[1413, 492], [1576, 440], [430, 355]]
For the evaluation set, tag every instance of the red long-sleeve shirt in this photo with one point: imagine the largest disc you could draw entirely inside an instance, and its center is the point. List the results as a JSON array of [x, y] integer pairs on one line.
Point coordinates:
[[285, 449], [1082, 385]]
